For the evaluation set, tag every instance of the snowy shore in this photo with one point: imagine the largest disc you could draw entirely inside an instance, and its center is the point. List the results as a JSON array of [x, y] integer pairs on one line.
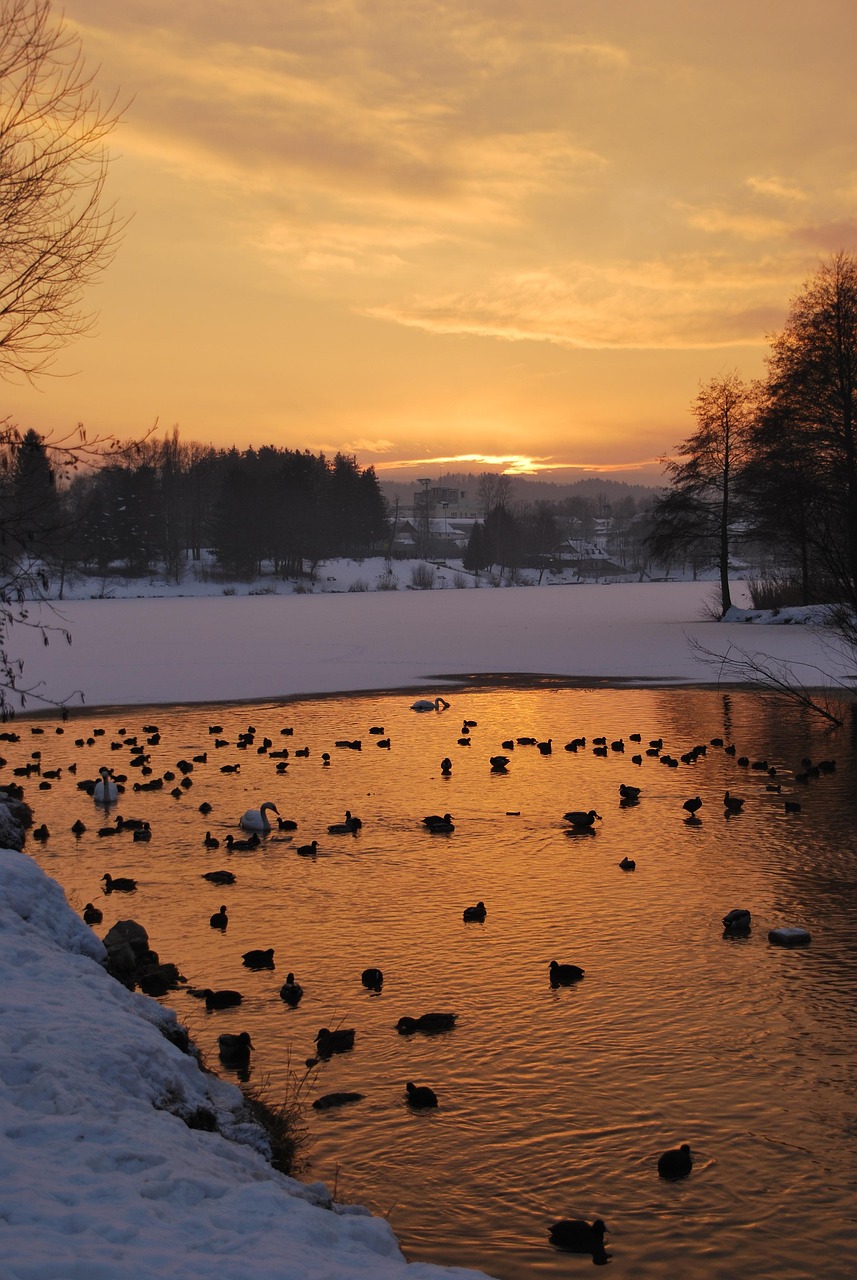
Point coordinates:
[[102, 1178]]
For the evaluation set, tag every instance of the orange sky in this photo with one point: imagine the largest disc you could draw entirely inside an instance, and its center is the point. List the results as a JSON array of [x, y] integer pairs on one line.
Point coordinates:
[[416, 231]]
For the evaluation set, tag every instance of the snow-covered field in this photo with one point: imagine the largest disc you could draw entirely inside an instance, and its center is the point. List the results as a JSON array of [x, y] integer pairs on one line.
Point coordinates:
[[219, 648], [101, 1177]]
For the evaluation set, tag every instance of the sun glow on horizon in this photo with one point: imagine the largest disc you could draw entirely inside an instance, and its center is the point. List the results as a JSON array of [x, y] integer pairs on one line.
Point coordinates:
[[514, 464]]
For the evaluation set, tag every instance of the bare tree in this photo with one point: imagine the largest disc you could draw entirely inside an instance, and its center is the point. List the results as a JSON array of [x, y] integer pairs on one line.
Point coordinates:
[[58, 234], [699, 508]]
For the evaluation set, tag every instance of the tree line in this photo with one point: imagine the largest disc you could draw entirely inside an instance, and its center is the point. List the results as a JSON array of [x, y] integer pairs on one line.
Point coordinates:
[[772, 465], [160, 503]]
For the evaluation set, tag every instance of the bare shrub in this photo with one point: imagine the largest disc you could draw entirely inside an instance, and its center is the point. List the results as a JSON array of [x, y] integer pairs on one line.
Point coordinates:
[[359, 584], [423, 576], [775, 591]]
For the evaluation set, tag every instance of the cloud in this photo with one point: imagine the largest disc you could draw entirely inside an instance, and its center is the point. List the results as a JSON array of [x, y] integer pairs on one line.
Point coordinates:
[[678, 305], [777, 188]]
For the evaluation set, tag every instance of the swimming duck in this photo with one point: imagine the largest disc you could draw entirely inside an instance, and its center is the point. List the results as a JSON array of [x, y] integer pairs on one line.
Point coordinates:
[[242, 846], [92, 915], [291, 991], [676, 1163], [578, 1236], [372, 978], [628, 864], [337, 1041], [420, 1095], [477, 912], [307, 850], [436, 822], [210, 841], [732, 804], [118, 884], [582, 817], [258, 959], [219, 877], [428, 1023], [219, 919], [563, 974], [221, 999], [629, 795], [737, 920], [234, 1049]]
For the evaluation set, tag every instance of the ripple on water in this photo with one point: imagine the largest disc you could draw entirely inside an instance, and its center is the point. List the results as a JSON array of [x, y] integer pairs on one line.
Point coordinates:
[[553, 1103]]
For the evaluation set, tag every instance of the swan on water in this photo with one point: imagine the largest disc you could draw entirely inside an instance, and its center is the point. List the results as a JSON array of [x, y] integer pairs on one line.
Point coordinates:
[[430, 704], [105, 790], [257, 819]]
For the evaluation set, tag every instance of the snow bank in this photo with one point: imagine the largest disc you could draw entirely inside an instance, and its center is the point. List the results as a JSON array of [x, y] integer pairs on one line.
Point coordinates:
[[102, 1179]]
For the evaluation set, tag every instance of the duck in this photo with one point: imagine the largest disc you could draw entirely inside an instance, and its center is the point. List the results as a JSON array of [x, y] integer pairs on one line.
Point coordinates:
[[629, 795], [428, 1023], [561, 975], [105, 790], [628, 864], [692, 805], [219, 877], [338, 1041], [438, 822], [118, 884], [676, 1163], [219, 920], [446, 766], [337, 1099], [582, 817], [291, 991], [372, 978], [737, 921], [350, 825], [221, 999], [259, 959], [577, 1235], [307, 850], [78, 828], [477, 912], [257, 819], [251, 842], [420, 1096], [733, 804], [210, 841], [92, 915], [143, 834], [499, 764], [286, 824], [430, 704], [41, 833], [234, 1048]]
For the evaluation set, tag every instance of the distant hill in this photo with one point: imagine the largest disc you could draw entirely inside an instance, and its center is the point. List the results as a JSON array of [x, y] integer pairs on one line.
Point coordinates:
[[527, 489]]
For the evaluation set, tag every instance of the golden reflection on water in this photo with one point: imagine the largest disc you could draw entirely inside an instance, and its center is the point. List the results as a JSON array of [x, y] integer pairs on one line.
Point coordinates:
[[553, 1103]]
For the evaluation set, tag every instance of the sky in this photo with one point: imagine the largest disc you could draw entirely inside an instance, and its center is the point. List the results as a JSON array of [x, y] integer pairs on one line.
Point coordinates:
[[482, 235]]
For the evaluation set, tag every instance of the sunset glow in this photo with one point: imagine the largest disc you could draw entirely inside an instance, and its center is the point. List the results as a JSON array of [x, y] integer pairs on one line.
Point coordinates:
[[486, 235]]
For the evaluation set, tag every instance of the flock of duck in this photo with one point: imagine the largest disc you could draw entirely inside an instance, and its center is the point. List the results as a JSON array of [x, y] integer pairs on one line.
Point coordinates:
[[265, 824]]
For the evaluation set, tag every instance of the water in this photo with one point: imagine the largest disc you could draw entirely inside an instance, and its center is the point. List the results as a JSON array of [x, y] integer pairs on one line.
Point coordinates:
[[553, 1103]]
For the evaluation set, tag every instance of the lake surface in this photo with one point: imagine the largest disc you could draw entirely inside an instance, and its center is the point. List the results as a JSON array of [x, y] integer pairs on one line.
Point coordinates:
[[553, 1102]]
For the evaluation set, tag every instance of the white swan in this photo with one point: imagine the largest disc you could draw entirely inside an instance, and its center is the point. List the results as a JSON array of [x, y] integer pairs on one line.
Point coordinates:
[[257, 819], [105, 790], [429, 704]]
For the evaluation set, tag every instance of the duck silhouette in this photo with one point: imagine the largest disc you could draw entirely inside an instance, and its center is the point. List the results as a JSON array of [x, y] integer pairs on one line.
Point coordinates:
[[676, 1163]]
